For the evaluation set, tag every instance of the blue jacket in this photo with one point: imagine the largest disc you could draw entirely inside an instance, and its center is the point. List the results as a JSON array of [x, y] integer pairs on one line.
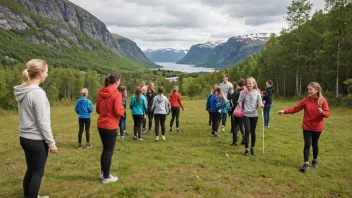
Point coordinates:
[[83, 107], [268, 97], [226, 107], [214, 103], [138, 108]]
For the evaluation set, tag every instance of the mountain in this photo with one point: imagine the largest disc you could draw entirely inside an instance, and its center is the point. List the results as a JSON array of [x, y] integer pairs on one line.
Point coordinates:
[[225, 54], [165, 55], [62, 29]]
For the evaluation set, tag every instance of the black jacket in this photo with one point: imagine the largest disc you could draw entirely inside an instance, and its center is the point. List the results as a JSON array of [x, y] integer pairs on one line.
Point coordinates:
[[268, 96]]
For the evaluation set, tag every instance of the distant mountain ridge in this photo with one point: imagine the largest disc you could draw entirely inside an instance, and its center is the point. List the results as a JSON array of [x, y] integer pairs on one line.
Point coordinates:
[[59, 24], [225, 54], [165, 54]]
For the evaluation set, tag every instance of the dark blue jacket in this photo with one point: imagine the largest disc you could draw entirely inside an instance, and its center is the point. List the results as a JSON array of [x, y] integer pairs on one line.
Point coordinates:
[[268, 97]]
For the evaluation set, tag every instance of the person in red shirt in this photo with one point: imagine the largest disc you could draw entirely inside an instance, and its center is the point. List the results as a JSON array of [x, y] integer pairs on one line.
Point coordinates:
[[110, 109], [316, 108], [175, 101]]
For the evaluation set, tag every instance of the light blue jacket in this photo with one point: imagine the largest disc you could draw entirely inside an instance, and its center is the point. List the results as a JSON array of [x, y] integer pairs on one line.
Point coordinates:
[[83, 107], [226, 106], [138, 108]]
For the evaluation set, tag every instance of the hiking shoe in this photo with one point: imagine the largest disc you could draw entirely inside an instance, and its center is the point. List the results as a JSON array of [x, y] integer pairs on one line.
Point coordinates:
[[88, 145], [163, 137], [223, 128], [134, 137], [253, 151], [170, 130], [315, 163], [157, 138], [178, 130], [79, 145], [304, 168], [246, 152], [215, 134], [109, 180]]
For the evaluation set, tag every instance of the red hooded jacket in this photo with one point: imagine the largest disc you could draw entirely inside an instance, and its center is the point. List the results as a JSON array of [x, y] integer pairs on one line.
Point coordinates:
[[175, 100], [109, 107], [312, 119]]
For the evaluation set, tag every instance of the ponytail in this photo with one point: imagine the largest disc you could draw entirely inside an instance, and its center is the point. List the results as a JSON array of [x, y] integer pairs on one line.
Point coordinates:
[[32, 68], [112, 78]]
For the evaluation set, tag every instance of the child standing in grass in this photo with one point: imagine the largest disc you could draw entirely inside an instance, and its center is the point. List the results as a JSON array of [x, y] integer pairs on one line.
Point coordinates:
[[138, 105], [83, 108], [268, 98], [36, 137], [215, 103], [316, 108], [175, 100], [150, 96], [207, 105], [250, 113], [122, 123], [161, 107], [110, 110], [224, 111]]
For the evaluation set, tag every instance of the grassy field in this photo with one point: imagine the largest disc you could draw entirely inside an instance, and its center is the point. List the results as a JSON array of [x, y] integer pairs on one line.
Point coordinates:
[[190, 163]]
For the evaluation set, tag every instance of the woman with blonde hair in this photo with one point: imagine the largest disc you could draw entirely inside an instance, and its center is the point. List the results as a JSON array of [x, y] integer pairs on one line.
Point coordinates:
[[83, 108], [251, 100], [175, 100], [36, 137], [316, 108]]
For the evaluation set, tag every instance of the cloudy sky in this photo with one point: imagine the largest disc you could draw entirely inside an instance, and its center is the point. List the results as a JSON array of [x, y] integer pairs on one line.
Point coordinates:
[[179, 24]]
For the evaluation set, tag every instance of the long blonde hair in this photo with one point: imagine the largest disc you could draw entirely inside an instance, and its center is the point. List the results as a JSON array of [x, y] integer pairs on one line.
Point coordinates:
[[317, 87], [255, 85], [32, 68]]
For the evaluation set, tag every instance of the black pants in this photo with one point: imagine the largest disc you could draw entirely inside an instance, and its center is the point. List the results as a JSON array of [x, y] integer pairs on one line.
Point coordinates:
[[250, 124], [159, 118], [209, 117], [310, 138], [223, 118], [83, 123], [108, 138], [144, 123], [215, 121], [175, 112], [150, 118], [237, 126], [137, 128], [36, 152]]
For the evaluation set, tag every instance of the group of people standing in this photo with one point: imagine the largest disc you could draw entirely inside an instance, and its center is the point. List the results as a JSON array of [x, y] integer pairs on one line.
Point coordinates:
[[36, 137]]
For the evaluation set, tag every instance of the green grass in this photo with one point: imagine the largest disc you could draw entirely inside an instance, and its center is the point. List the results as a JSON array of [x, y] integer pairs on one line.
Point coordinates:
[[190, 163]]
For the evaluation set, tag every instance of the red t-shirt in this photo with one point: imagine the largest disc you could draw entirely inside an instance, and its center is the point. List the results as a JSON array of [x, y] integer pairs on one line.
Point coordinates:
[[312, 119]]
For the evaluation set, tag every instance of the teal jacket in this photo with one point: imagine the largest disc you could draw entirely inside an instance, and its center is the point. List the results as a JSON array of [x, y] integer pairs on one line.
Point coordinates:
[[138, 108]]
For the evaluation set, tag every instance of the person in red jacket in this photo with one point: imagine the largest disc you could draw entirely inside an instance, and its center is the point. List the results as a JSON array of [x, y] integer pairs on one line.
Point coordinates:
[[175, 101], [316, 108], [110, 109]]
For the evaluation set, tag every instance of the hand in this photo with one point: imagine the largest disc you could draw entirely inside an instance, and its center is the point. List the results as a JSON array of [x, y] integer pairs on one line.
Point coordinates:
[[281, 112], [53, 149], [183, 109], [320, 110], [261, 106]]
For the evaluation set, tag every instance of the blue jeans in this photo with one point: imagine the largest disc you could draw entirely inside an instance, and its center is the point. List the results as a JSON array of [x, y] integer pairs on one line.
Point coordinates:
[[267, 114], [122, 126]]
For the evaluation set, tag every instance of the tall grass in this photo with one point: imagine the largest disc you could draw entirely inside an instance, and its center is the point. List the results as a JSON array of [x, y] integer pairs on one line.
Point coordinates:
[[190, 163]]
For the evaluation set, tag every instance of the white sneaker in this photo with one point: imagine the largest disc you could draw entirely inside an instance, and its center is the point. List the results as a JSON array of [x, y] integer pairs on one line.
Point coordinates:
[[223, 128], [178, 130], [43, 196], [163, 137], [140, 139], [122, 137], [109, 180], [157, 138]]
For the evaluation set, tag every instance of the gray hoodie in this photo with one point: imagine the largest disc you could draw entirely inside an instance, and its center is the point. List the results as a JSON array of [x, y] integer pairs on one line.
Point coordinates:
[[161, 105], [34, 112], [250, 103]]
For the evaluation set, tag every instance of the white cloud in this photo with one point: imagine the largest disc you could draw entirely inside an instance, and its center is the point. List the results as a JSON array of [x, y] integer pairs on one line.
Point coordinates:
[[155, 24]]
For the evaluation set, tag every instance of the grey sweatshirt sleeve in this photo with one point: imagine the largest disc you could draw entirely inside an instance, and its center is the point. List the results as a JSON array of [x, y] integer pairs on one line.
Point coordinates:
[[42, 110]]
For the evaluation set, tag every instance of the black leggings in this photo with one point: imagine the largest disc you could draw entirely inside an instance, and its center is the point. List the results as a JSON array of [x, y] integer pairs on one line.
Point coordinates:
[[83, 123], [36, 152], [237, 126], [250, 123], [310, 138], [150, 118], [159, 118], [137, 128], [175, 112], [108, 138], [215, 121]]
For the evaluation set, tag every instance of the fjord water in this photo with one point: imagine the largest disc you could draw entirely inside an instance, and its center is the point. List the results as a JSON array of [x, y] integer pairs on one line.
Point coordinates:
[[183, 68]]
